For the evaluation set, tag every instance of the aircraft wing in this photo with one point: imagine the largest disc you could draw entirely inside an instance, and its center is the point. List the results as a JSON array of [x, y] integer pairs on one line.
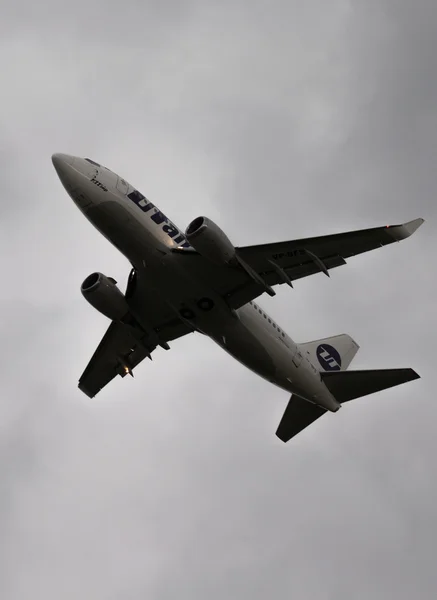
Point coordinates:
[[123, 347], [284, 262]]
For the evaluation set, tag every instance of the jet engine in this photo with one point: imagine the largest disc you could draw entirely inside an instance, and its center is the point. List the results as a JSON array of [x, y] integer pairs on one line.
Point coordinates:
[[213, 244], [210, 241], [103, 294]]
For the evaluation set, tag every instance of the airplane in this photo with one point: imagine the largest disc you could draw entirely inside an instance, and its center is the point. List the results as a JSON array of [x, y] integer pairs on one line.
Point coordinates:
[[198, 281]]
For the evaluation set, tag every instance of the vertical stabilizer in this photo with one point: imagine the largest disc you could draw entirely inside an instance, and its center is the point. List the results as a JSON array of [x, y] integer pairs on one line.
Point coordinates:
[[331, 354]]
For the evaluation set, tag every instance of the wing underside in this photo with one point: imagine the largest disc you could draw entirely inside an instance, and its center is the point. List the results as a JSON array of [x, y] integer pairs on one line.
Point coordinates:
[[124, 346], [117, 354], [285, 262]]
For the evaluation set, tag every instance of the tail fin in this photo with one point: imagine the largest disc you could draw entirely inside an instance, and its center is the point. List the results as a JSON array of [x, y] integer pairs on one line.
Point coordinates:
[[333, 353], [354, 384]]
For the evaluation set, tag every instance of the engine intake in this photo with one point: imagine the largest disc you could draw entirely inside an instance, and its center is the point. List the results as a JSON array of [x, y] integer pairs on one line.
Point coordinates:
[[103, 294], [210, 241]]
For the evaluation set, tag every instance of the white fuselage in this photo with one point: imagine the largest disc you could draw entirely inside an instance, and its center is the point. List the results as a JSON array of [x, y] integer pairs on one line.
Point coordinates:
[[146, 237]]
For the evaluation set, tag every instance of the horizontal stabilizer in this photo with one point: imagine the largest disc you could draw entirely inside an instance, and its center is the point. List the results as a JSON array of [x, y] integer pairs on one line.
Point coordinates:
[[347, 385], [298, 415]]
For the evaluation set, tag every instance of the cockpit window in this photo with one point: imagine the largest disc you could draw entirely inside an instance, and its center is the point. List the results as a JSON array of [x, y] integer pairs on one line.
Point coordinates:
[[92, 162], [136, 196]]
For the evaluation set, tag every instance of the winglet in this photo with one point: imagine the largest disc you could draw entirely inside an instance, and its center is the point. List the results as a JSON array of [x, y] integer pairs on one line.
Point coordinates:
[[400, 232]]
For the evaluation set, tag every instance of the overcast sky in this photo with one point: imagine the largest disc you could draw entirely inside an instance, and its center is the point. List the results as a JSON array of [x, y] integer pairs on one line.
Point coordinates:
[[279, 120]]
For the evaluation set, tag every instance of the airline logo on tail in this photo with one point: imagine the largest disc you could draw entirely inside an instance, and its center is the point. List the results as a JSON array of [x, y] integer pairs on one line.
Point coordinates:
[[328, 357]]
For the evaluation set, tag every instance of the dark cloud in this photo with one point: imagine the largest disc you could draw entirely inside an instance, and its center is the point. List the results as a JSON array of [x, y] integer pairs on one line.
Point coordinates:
[[278, 120]]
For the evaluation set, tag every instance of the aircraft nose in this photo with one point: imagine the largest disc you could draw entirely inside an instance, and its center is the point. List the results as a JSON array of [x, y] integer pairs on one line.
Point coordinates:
[[61, 161], [75, 174], [64, 166]]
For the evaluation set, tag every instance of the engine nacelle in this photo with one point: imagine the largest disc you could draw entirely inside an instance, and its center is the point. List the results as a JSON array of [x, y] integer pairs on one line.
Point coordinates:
[[210, 241], [103, 294]]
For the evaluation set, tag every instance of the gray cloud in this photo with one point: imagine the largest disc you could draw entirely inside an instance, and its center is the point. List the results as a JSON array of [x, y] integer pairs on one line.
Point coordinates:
[[278, 120]]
